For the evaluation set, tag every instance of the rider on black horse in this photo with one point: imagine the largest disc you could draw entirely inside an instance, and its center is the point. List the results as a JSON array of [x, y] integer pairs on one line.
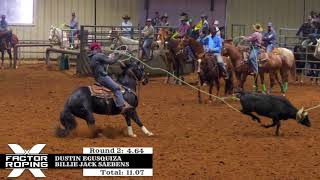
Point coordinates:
[[97, 64]]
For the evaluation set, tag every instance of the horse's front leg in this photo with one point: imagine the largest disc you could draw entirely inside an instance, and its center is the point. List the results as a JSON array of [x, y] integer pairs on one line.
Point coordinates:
[[217, 82], [181, 74], [2, 59], [136, 119], [130, 130], [210, 92], [199, 89]]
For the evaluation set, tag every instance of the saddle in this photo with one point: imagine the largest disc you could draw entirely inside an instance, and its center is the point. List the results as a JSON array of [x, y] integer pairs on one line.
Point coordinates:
[[99, 91]]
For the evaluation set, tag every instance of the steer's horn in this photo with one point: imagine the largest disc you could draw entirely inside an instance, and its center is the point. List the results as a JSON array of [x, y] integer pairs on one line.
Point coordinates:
[[299, 113]]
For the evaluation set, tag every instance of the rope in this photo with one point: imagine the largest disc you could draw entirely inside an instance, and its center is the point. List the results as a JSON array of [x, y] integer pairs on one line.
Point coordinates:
[[312, 108], [184, 82]]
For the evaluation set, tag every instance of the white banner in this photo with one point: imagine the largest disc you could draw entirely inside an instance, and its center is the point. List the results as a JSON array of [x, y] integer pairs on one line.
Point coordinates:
[[117, 172], [117, 150]]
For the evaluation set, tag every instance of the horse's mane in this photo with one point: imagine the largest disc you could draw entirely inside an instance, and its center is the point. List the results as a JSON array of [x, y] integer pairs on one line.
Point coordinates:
[[197, 47]]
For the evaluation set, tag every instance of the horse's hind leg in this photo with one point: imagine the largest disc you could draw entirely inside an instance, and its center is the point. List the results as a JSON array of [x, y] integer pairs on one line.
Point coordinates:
[[91, 124], [136, 119], [10, 56], [282, 88]]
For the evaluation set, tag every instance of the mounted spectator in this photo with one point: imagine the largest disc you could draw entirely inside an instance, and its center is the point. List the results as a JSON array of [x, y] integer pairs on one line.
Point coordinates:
[[156, 20], [126, 30], [269, 38], [164, 20], [307, 29], [5, 31], [202, 24]]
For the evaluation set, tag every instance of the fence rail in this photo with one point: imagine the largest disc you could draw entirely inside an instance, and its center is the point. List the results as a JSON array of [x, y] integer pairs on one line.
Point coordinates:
[[307, 64]]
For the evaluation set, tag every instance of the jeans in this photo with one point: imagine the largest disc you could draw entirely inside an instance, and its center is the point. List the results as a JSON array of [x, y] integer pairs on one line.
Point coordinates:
[[108, 82], [73, 32], [270, 47], [189, 53], [146, 47], [253, 59], [220, 61]]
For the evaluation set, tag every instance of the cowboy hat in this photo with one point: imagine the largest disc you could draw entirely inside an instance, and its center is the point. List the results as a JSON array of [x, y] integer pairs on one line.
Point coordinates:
[[183, 18], [269, 24], [126, 17], [257, 27], [149, 20], [165, 15]]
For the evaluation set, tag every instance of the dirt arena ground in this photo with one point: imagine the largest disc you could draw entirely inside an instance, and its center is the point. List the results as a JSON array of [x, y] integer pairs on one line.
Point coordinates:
[[192, 141]]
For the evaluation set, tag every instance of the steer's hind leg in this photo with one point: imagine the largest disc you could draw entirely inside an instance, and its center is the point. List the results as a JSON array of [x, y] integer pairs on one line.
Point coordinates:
[[254, 117]]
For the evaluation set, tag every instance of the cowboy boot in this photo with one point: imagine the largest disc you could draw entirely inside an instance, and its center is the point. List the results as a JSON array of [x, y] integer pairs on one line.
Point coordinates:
[[125, 108]]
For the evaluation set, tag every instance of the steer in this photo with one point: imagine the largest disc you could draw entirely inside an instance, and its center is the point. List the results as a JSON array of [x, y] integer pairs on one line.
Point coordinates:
[[274, 107]]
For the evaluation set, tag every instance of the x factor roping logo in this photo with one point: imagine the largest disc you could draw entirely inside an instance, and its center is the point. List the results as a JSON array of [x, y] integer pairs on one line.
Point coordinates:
[[30, 159]]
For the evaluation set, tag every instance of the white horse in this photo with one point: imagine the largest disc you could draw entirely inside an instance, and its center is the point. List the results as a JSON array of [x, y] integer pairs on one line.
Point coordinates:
[[61, 37]]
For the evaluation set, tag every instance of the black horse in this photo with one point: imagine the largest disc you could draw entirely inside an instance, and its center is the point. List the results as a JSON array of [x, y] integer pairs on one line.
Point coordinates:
[[82, 104]]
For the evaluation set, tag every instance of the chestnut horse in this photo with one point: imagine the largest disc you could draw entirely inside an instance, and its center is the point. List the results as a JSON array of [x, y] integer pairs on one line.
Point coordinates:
[[208, 69], [4, 46], [280, 60]]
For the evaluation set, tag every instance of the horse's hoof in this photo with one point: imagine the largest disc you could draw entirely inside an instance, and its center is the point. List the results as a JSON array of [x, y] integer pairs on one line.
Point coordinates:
[[133, 135], [150, 134]]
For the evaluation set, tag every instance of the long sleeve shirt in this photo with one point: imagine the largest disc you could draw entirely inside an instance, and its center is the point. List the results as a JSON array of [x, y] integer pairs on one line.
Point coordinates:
[[74, 23], [215, 44], [183, 29], [4, 25], [305, 29], [270, 37], [255, 38], [98, 62], [148, 32]]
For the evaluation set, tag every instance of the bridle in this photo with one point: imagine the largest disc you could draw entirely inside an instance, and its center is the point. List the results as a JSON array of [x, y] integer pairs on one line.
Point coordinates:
[[139, 82]]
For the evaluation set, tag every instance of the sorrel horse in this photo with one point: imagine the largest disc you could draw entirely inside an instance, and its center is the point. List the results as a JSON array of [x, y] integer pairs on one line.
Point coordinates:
[[281, 60]]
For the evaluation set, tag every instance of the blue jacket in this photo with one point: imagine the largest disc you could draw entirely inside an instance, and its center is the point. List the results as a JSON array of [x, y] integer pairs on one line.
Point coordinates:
[[215, 44]]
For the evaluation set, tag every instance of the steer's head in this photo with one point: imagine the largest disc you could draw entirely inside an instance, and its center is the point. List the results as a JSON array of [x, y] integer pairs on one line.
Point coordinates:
[[303, 118]]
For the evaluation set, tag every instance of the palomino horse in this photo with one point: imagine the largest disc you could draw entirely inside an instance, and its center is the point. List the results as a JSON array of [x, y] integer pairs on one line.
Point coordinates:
[[280, 60], [175, 58], [208, 69], [4, 46]]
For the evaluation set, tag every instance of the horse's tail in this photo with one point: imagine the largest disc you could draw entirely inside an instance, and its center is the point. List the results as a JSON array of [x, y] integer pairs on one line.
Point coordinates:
[[68, 121]]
